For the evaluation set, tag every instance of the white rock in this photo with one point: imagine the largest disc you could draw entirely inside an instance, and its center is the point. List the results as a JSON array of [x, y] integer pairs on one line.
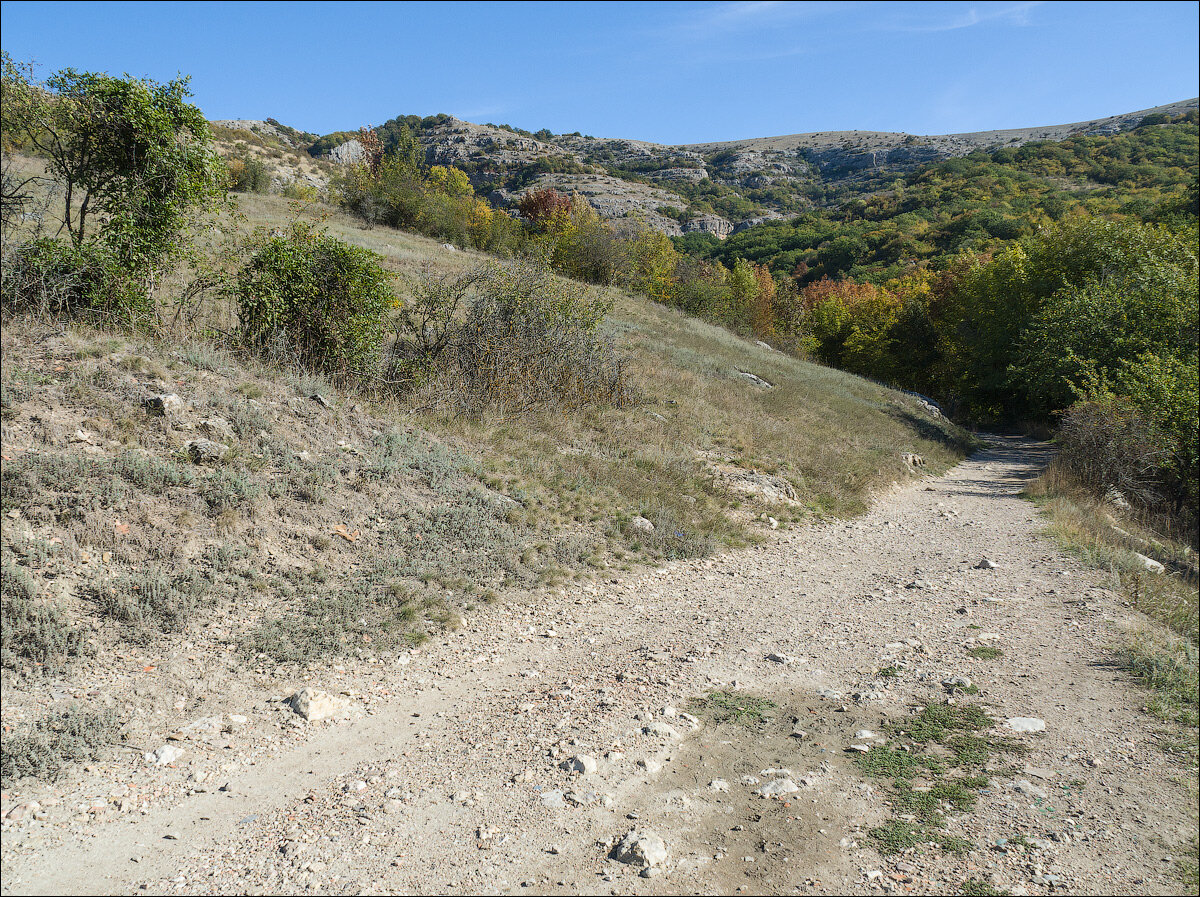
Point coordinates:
[[164, 755], [780, 658], [580, 763], [1025, 724], [314, 704], [1026, 787], [718, 785], [864, 735], [641, 848], [553, 799], [641, 524], [1150, 564], [987, 564], [660, 730], [777, 787]]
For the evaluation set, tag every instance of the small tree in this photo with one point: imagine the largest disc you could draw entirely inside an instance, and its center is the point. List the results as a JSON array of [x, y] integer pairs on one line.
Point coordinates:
[[134, 161]]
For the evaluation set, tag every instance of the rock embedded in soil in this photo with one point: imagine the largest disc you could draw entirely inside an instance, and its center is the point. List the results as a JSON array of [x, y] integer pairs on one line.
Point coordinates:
[[205, 451], [1025, 724], [580, 763], [164, 755], [641, 848], [313, 704], [776, 787]]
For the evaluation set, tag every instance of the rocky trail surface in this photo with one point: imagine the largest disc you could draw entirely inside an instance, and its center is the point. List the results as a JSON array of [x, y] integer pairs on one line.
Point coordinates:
[[551, 747]]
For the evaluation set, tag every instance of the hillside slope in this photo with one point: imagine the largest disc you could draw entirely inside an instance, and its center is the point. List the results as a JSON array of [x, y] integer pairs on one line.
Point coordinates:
[[175, 509], [717, 188]]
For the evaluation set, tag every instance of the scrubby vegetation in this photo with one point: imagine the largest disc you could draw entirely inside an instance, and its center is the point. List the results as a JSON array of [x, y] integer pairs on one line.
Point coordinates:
[[288, 441]]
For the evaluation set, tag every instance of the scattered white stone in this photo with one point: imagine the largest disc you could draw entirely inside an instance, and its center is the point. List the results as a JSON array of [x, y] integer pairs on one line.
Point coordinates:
[[164, 755], [718, 785], [660, 730], [580, 763], [1028, 788], [641, 848], [777, 787], [641, 524], [314, 704], [1025, 724], [651, 766], [780, 658], [553, 799], [865, 735], [859, 748], [956, 682], [749, 780], [987, 564]]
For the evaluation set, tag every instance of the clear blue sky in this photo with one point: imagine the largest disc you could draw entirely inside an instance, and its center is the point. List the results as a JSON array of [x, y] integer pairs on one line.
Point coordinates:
[[673, 73]]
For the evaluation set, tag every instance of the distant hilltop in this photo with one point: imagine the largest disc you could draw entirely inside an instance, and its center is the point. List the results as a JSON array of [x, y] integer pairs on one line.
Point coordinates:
[[672, 188]]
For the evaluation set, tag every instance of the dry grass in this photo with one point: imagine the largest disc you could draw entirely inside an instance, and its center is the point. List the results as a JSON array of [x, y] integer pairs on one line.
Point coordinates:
[[1162, 657]]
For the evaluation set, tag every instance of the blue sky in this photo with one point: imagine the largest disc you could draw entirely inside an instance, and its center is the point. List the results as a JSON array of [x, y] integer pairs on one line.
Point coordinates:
[[672, 73]]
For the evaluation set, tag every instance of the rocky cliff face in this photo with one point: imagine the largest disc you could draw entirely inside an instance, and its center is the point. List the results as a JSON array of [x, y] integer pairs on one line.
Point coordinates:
[[611, 173]]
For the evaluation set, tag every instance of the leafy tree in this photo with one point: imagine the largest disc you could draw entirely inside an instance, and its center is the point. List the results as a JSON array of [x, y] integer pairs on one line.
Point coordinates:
[[133, 156]]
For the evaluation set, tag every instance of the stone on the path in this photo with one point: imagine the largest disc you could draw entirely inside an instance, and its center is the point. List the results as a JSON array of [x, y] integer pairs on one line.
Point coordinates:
[[987, 564], [660, 730], [776, 787], [580, 763], [719, 785], [651, 766], [314, 704], [641, 848], [164, 755], [865, 735], [956, 682], [780, 658], [829, 694], [1025, 724], [553, 799], [858, 748], [1028, 788]]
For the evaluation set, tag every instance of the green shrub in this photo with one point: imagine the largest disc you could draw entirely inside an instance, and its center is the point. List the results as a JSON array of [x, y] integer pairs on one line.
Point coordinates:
[[322, 298], [33, 631], [45, 748], [58, 280], [151, 600], [248, 175]]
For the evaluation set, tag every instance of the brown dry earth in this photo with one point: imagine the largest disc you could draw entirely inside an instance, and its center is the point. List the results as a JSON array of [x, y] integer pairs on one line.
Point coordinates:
[[445, 776]]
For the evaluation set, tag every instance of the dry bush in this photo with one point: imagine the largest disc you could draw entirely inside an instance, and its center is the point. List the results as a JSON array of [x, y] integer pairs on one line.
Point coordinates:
[[529, 340]]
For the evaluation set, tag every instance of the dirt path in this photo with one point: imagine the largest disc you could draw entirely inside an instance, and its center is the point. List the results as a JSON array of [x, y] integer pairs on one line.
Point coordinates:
[[446, 777]]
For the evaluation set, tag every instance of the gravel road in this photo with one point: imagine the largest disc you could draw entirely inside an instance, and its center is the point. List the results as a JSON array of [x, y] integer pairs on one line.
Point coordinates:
[[446, 774]]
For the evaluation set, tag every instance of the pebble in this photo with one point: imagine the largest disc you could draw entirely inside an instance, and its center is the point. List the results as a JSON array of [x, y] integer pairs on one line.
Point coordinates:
[[1025, 724], [163, 756], [776, 787], [580, 763], [641, 847]]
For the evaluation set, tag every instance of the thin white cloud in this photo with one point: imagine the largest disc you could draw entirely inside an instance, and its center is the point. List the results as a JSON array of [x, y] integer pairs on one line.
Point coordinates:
[[981, 14], [722, 19]]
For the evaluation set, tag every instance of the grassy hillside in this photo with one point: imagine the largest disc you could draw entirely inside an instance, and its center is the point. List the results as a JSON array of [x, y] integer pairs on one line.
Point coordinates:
[[343, 522]]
